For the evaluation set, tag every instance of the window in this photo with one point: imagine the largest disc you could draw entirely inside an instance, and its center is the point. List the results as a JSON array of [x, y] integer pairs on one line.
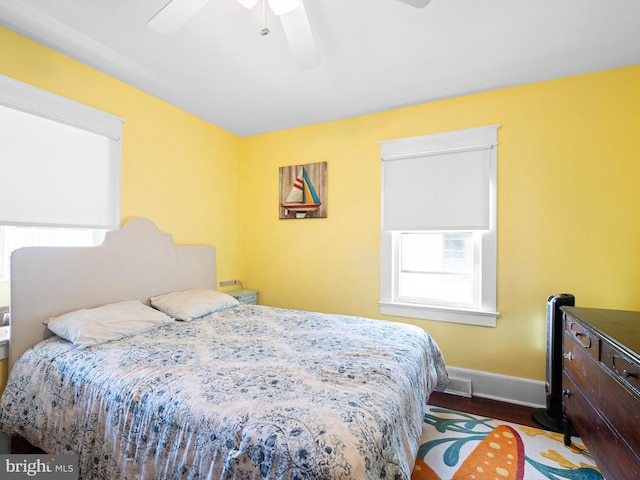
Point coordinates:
[[438, 243], [60, 163]]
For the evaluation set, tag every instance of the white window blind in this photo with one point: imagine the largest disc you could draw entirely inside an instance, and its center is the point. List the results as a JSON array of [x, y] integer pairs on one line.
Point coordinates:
[[60, 160], [438, 182]]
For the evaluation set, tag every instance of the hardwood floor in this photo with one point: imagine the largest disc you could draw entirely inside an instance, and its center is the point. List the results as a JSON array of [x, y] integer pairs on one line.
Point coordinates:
[[507, 412]]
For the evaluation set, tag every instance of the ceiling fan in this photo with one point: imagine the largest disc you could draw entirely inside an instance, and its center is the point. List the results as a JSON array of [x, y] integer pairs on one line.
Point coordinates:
[[291, 13]]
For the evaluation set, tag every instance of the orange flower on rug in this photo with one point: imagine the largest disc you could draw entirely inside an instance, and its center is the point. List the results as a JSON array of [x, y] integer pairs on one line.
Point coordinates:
[[456, 445]]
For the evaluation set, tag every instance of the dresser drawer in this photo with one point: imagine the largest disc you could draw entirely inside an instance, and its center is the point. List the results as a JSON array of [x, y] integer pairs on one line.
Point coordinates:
[[616, 460], [583, 336], [605, 392], [583, 368], [623, 367]]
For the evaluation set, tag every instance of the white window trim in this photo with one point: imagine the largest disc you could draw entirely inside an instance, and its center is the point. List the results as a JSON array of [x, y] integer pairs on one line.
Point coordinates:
[[437, 144], [33, 100]]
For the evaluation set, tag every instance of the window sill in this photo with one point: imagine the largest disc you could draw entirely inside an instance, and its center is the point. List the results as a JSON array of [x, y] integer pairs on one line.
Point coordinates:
[[441, 314]]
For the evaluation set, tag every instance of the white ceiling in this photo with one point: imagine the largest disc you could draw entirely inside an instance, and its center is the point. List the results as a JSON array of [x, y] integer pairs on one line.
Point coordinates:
[[375, 54]]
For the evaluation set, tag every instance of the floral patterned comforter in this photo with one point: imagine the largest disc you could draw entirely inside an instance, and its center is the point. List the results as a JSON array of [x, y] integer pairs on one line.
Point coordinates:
[[248, 392]]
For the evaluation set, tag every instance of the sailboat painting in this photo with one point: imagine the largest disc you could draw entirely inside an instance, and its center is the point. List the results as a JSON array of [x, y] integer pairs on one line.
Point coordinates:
[[303, 190]]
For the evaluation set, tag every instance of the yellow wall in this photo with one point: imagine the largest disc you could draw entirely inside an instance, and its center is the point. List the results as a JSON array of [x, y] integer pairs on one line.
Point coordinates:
[[568, 197], [177, 170], [568, 221]]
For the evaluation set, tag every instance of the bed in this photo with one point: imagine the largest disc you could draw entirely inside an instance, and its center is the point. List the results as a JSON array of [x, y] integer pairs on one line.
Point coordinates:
[[201, 386]]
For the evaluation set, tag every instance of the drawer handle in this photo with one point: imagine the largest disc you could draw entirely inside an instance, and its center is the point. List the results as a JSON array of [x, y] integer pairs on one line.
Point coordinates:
[[581, 336], [630, 374], [566, 392], [569, 356]]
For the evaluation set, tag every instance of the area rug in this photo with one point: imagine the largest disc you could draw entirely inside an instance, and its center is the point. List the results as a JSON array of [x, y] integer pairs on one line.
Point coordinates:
[[456, 445]]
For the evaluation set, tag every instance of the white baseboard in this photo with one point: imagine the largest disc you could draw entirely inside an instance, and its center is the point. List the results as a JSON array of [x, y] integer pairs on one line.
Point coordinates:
[[521, 391]]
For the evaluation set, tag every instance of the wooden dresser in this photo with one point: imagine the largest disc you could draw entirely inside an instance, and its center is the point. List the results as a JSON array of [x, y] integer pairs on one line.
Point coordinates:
[[601, 386]]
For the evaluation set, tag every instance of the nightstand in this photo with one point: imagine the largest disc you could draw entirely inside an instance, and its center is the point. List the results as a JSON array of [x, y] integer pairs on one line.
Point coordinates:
[[245, 296]]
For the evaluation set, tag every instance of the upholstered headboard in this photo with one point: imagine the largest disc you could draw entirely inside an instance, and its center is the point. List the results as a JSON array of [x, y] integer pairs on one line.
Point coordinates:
[[135, 262]]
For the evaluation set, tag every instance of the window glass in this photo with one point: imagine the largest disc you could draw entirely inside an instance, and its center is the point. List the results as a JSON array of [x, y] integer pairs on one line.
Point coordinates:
[[437, 268]]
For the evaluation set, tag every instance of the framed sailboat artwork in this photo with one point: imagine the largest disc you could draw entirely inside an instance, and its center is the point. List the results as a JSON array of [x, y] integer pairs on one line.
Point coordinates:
[[303, 191]]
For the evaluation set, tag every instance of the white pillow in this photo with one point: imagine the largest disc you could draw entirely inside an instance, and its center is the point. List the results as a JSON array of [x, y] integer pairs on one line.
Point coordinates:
[[92, 326], [188, 305]]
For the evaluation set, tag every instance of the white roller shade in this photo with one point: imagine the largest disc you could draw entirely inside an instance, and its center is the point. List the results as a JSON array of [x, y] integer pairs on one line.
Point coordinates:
[[59, 168], [439, 192], [432, 183]]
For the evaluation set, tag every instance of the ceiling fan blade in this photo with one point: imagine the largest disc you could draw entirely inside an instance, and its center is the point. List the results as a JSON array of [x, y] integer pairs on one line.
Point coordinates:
[[416, 3], [298, 32], [280, 7], [175, 14]]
